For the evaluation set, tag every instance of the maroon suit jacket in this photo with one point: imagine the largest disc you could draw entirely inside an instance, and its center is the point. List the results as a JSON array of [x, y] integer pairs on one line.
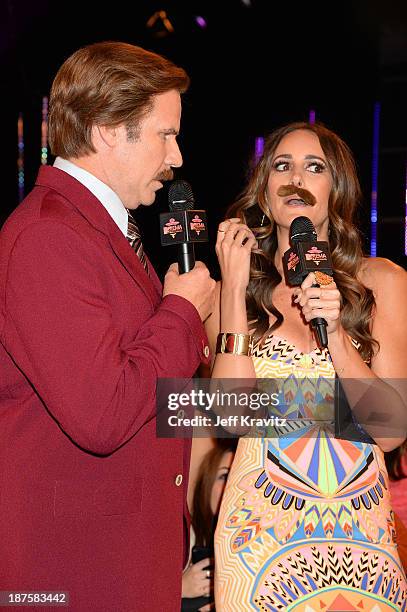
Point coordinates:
[[90, 502]]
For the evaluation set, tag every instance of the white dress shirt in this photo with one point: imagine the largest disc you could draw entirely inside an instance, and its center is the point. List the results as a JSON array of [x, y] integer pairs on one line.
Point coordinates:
[[106, 196]]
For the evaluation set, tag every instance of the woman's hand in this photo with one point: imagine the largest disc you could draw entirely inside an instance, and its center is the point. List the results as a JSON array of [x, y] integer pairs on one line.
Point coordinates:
[[196, 579], [234, 244], [323, 301]]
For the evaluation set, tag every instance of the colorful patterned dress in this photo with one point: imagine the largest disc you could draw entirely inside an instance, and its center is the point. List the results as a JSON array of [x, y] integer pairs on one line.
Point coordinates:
[[305, 522]]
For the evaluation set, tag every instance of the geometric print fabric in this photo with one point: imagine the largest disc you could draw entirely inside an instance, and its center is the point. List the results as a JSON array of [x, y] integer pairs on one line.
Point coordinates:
[[306, 521]]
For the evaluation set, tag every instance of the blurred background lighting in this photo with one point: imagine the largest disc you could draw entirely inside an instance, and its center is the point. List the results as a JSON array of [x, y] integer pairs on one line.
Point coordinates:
[[201, 21]]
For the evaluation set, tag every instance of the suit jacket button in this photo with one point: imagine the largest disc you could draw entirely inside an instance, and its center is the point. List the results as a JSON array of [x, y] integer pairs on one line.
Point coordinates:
[[206, 351], [181, 414], [178, 480]]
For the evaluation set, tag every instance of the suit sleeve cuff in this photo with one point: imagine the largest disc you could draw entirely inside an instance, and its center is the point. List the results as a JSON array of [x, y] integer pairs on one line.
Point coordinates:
[[187, 311]]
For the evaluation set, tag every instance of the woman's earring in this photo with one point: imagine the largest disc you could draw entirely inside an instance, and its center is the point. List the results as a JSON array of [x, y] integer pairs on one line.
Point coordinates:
[[262, 220]]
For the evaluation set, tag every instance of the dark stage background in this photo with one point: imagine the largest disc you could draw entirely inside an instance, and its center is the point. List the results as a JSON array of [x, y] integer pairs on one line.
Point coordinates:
[[256, 65]]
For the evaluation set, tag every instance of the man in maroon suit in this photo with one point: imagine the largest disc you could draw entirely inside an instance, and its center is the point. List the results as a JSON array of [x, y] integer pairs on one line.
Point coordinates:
[[91, 501]]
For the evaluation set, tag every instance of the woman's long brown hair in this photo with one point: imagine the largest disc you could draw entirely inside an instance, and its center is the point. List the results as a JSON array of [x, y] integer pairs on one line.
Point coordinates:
[[395, 462], [344, 238], [202, 515]]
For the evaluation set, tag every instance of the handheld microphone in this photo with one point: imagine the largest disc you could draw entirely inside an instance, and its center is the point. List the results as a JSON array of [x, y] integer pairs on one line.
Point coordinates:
[[184, 225], [307, 254]]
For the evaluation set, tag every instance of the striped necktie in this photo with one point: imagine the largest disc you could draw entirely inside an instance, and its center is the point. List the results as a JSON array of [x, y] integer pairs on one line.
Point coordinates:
[[134, 238]]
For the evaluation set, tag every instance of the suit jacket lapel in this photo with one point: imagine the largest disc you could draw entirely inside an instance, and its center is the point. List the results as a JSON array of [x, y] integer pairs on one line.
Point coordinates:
[[89, 207], [150, 284]]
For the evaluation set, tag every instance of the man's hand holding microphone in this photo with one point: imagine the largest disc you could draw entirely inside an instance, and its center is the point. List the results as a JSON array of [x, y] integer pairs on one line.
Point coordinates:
[[183, 226]]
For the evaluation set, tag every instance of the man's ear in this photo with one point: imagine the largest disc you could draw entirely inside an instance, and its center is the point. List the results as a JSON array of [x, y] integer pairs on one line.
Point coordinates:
[[104, 137]]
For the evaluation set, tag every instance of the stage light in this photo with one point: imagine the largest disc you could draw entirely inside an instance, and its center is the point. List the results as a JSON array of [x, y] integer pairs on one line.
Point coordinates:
[[201, 21], [20, 158], [44, 132], [159, 24], [375, 175], [258, 147]]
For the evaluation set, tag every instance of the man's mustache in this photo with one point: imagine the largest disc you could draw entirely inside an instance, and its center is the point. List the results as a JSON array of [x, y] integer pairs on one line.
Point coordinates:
[[304, 194], [165, 175]]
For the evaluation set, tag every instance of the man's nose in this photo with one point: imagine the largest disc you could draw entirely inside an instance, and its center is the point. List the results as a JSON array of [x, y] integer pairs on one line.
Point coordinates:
[[174, 157]]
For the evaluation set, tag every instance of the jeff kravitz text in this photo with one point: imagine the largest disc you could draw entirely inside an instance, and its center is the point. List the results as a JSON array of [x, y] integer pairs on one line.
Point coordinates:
[[230, 421], [222, 402]]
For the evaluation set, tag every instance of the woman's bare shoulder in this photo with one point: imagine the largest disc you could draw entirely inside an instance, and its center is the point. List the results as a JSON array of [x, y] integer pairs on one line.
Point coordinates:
[[377, 273]]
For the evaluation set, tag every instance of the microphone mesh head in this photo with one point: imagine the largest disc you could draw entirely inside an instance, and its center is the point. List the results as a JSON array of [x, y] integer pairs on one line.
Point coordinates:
[[180, 196], [302, 230]]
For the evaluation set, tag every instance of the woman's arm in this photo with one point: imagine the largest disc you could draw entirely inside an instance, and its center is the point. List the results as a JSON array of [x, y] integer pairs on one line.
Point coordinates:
[[376, 394], [234, 244]]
